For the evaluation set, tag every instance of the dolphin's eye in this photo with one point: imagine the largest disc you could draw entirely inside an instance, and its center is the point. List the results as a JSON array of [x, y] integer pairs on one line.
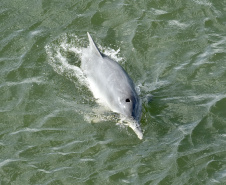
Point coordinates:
[[127, 100]]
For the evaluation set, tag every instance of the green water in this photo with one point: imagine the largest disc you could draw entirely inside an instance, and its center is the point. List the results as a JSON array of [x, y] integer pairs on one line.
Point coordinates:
[[174, 50]]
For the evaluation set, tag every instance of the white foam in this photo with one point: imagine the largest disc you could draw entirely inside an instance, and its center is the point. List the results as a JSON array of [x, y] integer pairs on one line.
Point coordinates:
[[59, 62]]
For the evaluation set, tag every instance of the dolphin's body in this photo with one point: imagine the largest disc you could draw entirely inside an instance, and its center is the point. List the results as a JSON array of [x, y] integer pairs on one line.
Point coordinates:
[[111, 85]]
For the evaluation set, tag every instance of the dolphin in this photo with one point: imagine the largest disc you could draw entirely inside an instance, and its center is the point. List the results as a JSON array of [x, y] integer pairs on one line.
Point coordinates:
[[111, 85]]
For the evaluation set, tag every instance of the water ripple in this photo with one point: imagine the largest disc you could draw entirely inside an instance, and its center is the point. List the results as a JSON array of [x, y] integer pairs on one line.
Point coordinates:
[[30, 130], [38, 80], [7, 161], [54, 170]]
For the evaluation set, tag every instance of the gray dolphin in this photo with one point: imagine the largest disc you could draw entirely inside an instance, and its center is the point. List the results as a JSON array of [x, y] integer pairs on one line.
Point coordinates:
[[111, 85]]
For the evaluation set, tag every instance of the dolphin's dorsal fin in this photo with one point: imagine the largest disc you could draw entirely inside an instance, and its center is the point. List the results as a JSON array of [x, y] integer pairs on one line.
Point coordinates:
[[93, 46]]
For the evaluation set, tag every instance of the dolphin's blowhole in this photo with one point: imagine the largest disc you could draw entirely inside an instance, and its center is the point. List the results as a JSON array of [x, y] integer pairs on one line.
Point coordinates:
[[127, 100]]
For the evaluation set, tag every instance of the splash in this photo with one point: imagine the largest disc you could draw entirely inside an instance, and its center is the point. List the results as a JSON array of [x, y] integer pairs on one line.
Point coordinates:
[[60, 52]]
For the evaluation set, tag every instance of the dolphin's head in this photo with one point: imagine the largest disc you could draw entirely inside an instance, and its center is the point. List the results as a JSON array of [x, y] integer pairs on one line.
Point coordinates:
[[130, 106]]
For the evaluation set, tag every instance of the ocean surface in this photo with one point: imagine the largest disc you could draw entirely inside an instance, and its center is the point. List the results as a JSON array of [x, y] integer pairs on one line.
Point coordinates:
[[175, 52]]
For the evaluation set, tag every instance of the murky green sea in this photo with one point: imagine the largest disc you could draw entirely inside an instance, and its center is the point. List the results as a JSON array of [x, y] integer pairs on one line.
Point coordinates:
[[175, 52]]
